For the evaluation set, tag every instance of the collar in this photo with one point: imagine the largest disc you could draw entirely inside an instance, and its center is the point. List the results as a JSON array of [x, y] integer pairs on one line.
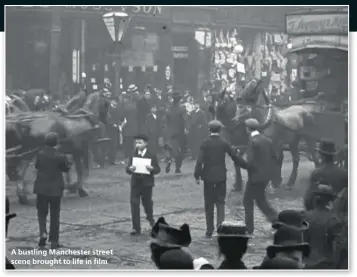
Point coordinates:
[[254, 133], [142, 152], [197, 110], [214, 134]]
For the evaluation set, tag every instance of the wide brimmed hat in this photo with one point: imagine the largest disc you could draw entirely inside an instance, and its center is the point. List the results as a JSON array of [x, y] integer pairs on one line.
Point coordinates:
[[142, 136], [232, 229], [167, 236], [291, 218], [132, 88], [327, 147], [280, 263], [288, 238]]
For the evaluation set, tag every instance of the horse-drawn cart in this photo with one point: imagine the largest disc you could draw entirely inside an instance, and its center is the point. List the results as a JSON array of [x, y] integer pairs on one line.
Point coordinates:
[[320, 56]]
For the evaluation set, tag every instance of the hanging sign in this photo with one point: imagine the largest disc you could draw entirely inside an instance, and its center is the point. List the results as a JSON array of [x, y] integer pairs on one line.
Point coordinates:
[[328, 23], [168, 72]]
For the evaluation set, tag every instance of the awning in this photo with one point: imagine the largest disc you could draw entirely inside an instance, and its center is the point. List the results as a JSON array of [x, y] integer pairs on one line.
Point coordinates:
[[301, 43]]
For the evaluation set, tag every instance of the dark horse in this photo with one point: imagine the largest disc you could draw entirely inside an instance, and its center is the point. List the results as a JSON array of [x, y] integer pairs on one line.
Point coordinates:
[[282, 126], [25, 136]]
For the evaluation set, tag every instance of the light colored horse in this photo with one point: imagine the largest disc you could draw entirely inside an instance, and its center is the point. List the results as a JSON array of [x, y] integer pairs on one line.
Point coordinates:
[[283, 126]]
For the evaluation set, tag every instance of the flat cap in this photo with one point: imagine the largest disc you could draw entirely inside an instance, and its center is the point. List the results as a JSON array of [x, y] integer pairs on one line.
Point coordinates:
[[215, 124], [252, 123], [51, 139]]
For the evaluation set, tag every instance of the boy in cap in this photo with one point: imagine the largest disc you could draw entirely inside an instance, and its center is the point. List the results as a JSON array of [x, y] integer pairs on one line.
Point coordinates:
[[211, 168], [260, 159], [142, 184], [48, 187], [327, 173], [233, 244]]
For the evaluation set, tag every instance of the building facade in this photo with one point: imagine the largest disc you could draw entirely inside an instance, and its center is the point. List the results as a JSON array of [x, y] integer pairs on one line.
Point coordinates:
[[50, 47]]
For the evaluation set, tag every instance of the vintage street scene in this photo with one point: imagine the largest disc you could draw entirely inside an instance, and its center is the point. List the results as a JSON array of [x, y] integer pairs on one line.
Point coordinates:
[[177, 137]]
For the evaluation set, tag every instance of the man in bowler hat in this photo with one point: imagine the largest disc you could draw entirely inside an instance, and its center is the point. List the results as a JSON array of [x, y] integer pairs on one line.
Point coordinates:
[[233, 244], [327, 173], [48, 187], [259, 157], [142, 184], [211, 168], [288, 250]]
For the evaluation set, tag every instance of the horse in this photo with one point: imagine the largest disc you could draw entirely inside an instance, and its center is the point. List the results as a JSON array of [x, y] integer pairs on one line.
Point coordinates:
[[285, 126], [25, 134]]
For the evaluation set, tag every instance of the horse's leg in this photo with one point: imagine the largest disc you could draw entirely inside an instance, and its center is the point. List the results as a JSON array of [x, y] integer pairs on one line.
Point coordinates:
[[21, 188], [238, 183], [311, 148], [295, 154], [277, 178], [79, 168]]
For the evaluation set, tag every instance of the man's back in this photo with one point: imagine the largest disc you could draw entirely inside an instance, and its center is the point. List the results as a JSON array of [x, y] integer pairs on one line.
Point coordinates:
[[260, 158], [50, 165], [211, 163]]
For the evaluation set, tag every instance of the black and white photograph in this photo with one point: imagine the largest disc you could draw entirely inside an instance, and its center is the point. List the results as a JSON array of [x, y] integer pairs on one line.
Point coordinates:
[[148, 138]]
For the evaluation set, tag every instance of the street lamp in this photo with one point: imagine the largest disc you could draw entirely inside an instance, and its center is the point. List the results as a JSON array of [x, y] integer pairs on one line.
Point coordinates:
[[116, 23]]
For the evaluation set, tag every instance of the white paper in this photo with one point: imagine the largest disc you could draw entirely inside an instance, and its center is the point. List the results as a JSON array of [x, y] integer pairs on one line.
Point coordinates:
[[140, 165], [241, 68], [155, 68]]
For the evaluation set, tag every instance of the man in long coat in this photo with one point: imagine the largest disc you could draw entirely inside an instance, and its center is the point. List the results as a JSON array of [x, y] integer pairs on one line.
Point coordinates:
[[176, 125]]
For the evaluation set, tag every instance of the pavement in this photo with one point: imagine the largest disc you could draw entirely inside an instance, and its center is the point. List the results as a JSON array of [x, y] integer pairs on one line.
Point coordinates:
[[102, 221]]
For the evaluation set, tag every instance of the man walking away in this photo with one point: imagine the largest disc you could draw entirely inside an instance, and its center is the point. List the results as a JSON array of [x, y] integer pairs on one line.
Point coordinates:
[[142, 184], [259, 157], [211, 168], [49, 186]]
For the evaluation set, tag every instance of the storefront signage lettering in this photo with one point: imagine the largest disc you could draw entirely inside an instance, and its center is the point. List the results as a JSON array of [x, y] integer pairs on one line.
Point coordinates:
[[147, 10], [317, 24], [340, 42], [180, 52]]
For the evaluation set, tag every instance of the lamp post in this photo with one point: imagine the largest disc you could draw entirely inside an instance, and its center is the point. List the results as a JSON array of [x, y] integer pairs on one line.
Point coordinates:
[[116, 23]]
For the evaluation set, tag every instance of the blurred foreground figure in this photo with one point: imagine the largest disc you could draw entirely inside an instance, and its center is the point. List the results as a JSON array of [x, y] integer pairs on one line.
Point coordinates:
[[232, 244], [7, 221]]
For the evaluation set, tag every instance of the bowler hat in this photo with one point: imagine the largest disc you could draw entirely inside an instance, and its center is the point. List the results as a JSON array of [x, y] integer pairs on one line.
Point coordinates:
[[288, 238], [176, 259], [132, 88], [51, 139], [291, 218], [215, 124], [167, 236], [232, 229], [252, 123], [142, 136], [327, 147]]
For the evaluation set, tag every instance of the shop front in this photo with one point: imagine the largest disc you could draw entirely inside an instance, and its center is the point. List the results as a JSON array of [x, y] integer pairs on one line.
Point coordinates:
[[319, 49]]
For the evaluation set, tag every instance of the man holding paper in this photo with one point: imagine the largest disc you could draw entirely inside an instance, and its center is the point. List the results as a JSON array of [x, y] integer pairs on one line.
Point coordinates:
[[142, 167]]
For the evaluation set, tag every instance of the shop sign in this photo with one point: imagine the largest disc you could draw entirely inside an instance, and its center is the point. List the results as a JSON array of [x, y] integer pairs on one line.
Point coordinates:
[[300, 24], [339, 42], [180, 52], [140, 10]]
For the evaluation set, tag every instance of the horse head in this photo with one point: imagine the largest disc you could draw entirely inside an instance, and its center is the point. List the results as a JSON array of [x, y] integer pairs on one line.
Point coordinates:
[[252, 103]]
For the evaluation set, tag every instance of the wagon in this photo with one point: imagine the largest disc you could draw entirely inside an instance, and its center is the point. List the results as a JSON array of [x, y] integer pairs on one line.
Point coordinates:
[[328, 73]]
